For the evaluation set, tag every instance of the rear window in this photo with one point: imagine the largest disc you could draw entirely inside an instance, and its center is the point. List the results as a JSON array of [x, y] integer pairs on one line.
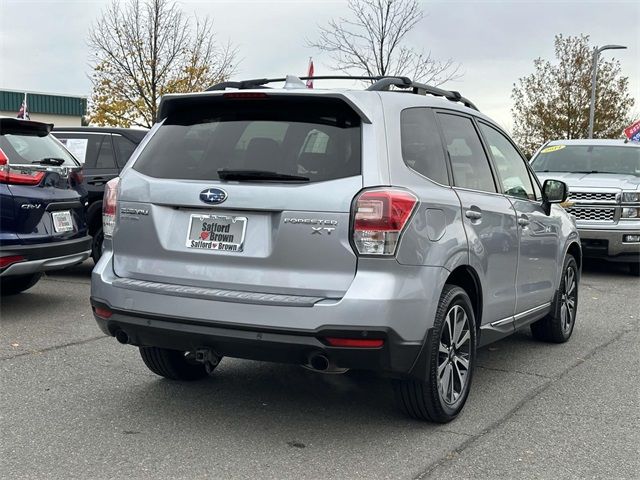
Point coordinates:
[[31, 149], [318, 138]]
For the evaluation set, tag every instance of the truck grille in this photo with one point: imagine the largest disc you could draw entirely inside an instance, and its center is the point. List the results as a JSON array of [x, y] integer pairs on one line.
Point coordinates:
[[592, 196], [593, 214]]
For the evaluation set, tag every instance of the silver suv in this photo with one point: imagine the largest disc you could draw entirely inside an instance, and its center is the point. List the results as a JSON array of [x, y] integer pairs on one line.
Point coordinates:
[[604, 184], [393, 229]]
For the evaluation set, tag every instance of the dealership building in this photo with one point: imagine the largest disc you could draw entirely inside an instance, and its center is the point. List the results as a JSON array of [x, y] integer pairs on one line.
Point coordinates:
[[61, 110]]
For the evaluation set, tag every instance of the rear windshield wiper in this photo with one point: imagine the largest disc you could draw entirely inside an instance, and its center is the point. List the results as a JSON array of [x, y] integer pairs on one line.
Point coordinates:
[[56, 162], [260, 175]]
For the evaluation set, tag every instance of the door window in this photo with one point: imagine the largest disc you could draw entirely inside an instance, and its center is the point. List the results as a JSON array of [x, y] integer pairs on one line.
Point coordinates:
[[106, 158], [469, 163], [124, 148], [513, 173], [421, 144]]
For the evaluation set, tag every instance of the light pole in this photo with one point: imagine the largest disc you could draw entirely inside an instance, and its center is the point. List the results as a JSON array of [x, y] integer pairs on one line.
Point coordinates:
[[594, 73]]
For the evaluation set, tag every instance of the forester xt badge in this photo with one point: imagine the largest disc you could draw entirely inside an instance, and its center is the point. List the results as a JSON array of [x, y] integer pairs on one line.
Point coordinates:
[[319, 226], [213, 196]]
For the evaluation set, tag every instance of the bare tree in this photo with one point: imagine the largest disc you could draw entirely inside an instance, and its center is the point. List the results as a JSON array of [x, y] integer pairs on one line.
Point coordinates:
[[372, 42], [143, 49]]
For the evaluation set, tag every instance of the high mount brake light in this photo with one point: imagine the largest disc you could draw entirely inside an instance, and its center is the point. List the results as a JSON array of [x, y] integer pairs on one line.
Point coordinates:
[[379, 218], [13, 178], [245, 95], [109, 204]]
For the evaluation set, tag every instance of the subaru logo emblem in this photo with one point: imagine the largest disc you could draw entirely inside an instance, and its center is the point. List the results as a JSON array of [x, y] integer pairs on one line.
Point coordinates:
[[213, 195]]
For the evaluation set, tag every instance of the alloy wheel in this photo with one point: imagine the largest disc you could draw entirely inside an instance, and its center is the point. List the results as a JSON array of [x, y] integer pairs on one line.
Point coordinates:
[[454, 354], [568, 300]]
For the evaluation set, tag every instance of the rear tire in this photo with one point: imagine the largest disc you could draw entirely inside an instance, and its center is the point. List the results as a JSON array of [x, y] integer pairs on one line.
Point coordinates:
[[452, 353], [171, 364], [13, 285], [96, 245], [557, 326]]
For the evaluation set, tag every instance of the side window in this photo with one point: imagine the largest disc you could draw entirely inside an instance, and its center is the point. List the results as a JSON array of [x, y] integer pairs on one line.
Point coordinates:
[[469, 163], [124, 148], [421, 144], [536, 189], [513, 173], [106, 158]]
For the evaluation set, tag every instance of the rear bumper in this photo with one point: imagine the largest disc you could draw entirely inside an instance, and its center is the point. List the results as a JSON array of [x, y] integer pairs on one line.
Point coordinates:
[[272, 345], [49, 256], [609, 244], [397, 305]]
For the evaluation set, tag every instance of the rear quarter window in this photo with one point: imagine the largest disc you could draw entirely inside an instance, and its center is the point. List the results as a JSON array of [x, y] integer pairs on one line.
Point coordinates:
[[422, 148], [319, 138]]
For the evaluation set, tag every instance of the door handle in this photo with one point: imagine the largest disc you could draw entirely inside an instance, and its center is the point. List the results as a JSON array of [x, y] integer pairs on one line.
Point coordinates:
[[523, 221], [473, 214]]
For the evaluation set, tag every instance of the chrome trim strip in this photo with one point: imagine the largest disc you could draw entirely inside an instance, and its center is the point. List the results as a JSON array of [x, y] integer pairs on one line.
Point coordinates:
[[532, 310], [217, 294], [500, 322]]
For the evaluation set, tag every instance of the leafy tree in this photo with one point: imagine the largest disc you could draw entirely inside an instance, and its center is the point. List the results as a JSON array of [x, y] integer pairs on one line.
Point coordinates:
[[143, 49], [553, 102], [372, 42]]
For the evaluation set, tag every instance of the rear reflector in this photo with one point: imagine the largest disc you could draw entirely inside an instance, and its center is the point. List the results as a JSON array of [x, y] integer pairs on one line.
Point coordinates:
[[245, 95], [103, 312], [380, 216], [10, 260], [355, 342]]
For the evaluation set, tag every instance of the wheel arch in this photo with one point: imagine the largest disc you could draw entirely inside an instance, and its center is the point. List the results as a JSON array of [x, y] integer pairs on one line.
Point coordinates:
[[465, 277]]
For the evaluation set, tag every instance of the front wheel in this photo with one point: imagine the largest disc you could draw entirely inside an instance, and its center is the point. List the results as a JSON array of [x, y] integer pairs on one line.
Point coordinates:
[[18, 283], [557, 326], [96, 245], [452, 353]]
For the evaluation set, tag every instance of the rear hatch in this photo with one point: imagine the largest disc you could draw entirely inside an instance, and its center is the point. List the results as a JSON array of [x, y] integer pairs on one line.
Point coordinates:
[[44, 183], [244, 192]]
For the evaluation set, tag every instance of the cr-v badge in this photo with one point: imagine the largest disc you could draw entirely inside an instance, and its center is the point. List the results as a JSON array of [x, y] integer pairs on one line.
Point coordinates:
[[213, 195]]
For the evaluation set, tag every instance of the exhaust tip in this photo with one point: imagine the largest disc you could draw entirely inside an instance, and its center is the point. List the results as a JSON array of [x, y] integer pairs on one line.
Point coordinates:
[[122, 337], [319, 362]]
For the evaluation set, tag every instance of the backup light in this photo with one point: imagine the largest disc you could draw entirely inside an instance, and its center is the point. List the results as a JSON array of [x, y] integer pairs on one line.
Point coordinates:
[[379, 218]]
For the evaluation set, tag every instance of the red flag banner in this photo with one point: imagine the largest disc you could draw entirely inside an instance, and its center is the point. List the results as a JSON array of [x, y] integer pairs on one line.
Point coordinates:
[[310, 74], [632, 132]]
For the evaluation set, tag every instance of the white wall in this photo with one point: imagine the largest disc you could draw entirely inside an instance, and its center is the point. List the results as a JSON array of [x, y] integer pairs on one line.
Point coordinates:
[[57, 120]]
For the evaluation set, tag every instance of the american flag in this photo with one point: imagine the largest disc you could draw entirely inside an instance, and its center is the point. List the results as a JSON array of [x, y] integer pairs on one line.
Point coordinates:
[[23, 113], [310, 74]]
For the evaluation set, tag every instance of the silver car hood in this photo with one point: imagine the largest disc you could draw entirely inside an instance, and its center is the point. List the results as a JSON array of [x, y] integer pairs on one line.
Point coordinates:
[[584, 181]]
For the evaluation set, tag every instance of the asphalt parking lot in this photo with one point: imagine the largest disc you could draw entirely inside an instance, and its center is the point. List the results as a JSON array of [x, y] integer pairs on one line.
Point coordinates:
[[76, 404]]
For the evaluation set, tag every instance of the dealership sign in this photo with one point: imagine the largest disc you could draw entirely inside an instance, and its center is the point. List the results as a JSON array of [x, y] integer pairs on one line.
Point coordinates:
[[632, 132]]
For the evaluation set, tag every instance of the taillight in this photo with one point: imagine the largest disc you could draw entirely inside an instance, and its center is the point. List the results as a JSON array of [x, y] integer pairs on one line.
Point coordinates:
[[10, 260], [103, 312], [13, 178], [109, 203], [77, 176], [379, 218]]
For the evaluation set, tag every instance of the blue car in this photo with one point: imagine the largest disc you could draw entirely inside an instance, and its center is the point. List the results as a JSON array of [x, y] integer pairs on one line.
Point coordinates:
[[42, 205]]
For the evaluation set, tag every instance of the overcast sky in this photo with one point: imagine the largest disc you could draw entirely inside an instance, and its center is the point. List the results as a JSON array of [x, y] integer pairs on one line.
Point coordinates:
[[43, 42]]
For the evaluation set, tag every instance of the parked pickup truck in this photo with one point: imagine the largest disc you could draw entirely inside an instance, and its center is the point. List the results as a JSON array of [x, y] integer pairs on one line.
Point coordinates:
[[604, 193]]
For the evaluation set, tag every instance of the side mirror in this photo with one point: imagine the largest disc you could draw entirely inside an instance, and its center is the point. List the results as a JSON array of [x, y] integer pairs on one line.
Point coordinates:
[[553, 191]]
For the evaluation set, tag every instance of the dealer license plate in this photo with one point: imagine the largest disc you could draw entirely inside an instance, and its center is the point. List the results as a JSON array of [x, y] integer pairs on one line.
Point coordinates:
[[62, 221], [216, 232]]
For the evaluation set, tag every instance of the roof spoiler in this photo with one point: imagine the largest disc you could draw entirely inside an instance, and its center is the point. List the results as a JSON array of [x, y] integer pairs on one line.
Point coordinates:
[[17, 126]]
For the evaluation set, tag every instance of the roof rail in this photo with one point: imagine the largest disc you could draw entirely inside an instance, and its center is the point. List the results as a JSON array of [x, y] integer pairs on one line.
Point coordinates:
[[382, 83], [420, 89]]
